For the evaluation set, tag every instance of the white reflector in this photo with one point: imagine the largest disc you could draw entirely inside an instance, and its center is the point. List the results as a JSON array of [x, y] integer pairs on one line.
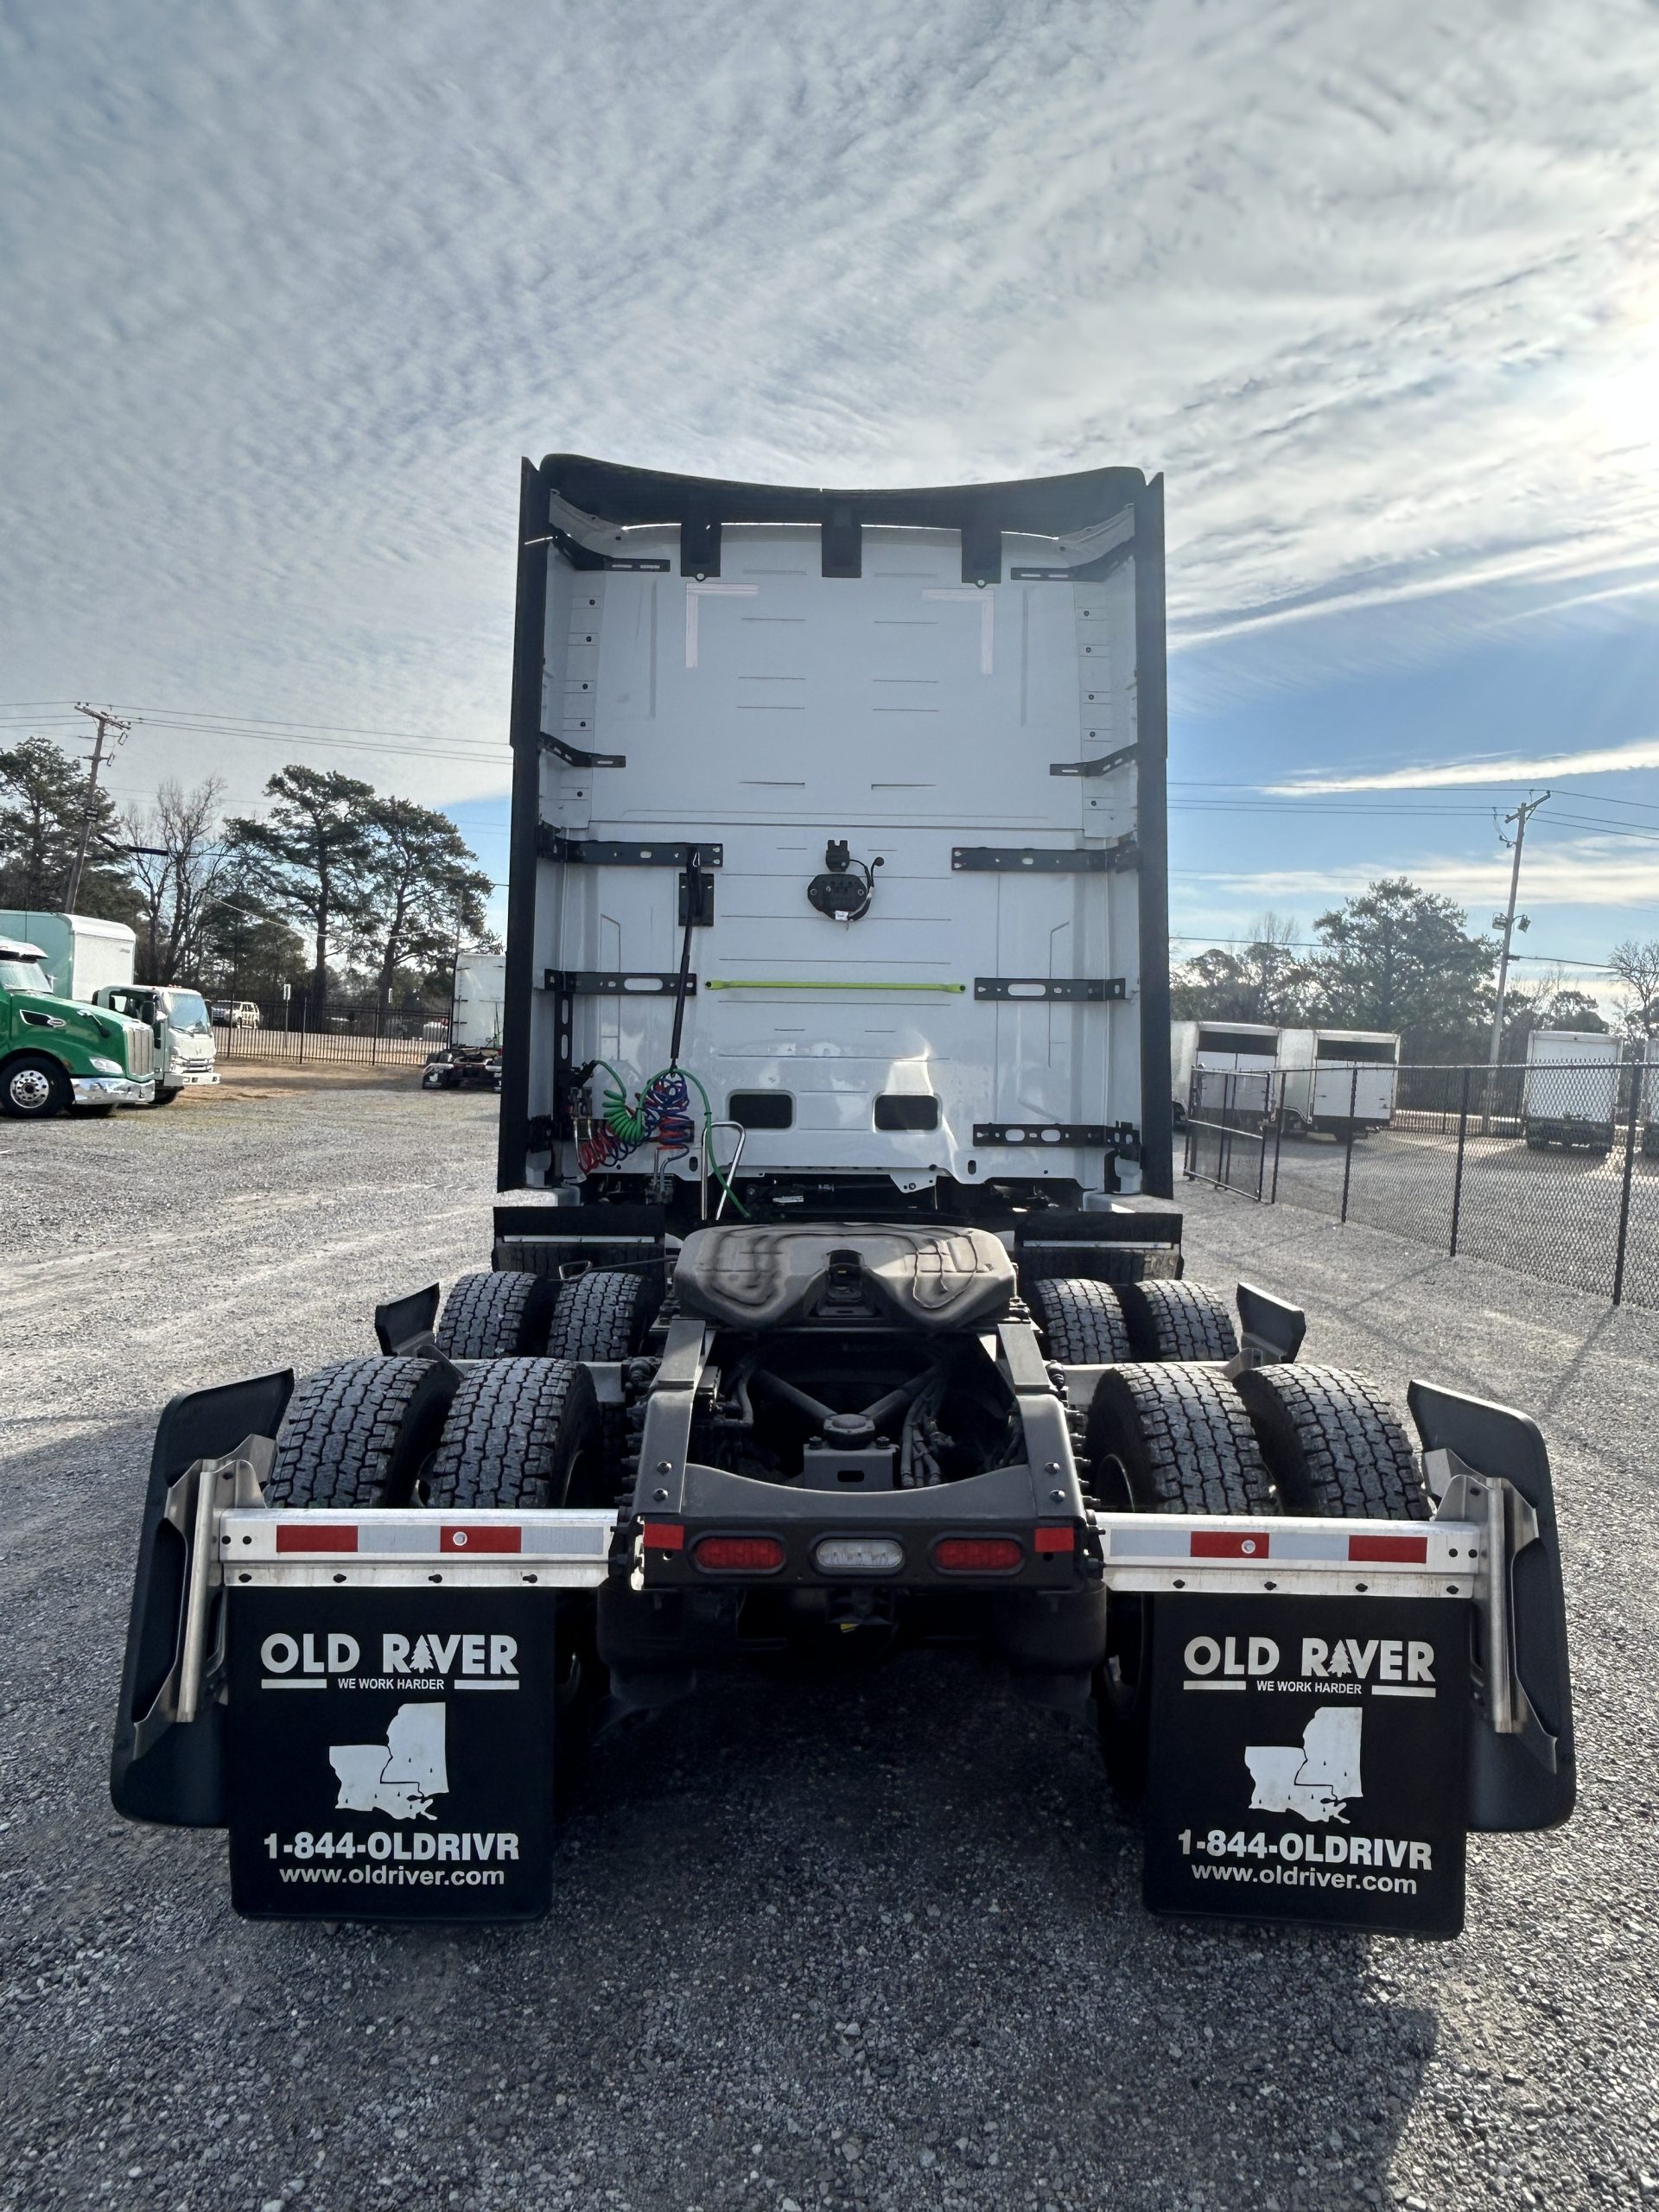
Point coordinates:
[[858, 1555]]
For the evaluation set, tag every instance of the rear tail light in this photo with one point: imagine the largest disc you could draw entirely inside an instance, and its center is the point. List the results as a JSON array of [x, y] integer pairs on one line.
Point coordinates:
[[858, 1555], [977, 1555], [738, 1554]]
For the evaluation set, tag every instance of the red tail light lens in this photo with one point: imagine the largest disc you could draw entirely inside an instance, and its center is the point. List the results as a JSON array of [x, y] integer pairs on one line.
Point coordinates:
[[977, 1555], [738, 1554]]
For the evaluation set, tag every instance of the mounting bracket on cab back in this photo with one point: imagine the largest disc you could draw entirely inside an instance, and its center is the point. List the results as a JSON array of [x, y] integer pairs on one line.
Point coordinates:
[[839, 893]]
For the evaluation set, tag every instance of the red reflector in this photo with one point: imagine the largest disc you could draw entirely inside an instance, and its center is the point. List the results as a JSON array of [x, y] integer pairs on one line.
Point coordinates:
[[1227, 1543], [1055, 1540], [738, 1554], [978, 1554], [488, 1537], [665, 1536], [294, 1537], [1414, 1550]]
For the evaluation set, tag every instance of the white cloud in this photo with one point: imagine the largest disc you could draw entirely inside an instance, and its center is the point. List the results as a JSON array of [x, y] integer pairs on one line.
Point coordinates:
[[290, 288], [1493, 768], [1587, 872]]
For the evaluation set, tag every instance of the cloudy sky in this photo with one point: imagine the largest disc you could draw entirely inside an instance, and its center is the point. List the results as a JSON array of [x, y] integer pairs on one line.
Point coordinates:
[[285, 290]]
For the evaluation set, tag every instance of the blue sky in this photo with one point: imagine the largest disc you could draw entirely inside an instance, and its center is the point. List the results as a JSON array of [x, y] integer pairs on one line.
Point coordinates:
[[287, 290]]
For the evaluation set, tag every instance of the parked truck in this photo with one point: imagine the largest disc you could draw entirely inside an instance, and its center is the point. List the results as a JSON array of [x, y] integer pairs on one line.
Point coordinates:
[[1222, 1049], [186, 1052], [836, 1301], [59, 1054], [1336, 1083], [1569, 1094]]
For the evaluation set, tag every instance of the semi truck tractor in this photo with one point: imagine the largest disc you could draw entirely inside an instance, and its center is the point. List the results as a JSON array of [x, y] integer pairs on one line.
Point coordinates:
[[836, 1303], [59, 1054], [1337, 1083], [1569, 1094]]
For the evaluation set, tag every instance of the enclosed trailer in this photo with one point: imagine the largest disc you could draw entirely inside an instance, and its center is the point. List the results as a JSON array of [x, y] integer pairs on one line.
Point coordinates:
[[479, 1009], [834, 1306], [1223, 1048], [1336, 1082], [82, 953]]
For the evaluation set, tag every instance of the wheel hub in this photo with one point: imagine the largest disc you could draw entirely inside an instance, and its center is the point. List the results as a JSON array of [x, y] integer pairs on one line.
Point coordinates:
[[29, 1088]]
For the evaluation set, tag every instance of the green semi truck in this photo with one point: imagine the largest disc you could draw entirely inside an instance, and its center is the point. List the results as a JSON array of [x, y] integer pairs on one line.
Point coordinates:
[[58, 1052]]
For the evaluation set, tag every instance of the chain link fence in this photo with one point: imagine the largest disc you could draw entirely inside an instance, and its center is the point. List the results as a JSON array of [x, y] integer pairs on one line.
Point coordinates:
[[1551, 1169], [360, 1034]]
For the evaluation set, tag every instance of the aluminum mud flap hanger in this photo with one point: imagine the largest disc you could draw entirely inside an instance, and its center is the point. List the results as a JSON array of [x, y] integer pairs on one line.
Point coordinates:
[[1488, 1465], [213, 1448]]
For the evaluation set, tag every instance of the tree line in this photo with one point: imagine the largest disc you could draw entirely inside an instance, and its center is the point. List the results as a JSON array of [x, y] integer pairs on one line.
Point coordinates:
[[337, 891], [1402, 959]]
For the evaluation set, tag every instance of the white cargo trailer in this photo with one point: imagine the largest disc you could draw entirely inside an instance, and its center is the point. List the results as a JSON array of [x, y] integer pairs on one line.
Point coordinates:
[[1220, 1047], [1337, 1081], [1570, 1093], [83, 955], [479, 999]]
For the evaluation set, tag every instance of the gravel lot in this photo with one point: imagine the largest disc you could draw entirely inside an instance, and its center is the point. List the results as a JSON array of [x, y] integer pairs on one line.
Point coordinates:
[[876, 1943]]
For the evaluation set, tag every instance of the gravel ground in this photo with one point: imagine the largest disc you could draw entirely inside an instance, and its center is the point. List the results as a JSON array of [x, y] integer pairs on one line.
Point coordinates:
[[872, 1942]]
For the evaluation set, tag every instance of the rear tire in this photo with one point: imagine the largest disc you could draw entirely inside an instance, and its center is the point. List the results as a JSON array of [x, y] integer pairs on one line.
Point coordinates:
[[1161, 1438], [1334, 1444], [1082, 1320], [517, 1433], [1179, 1320], [357, 1432], [528, 1433], [163, 1097], [498, 1315], [601, 1316], [1171, 1437]]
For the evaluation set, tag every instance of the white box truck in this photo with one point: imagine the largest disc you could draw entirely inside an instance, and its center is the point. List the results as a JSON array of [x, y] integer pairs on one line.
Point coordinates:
[[1219, 1048], [1337, 1081], [1570, 1092], [83, 956]]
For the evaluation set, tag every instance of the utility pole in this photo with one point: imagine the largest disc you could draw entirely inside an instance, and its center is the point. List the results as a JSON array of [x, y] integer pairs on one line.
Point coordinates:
[[106, 721], [1521, 816]]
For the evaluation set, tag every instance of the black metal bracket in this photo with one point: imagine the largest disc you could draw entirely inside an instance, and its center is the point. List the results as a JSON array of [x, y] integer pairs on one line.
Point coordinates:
[[1086, 572], [574, 757], [1040, 1133], [614, 982], [1046, 860], [1092, 988], [600, 852], [585, 556], [700, 917], [1101, 767]]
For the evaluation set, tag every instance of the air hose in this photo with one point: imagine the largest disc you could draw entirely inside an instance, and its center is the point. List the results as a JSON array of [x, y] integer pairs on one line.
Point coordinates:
[[662, 1115]]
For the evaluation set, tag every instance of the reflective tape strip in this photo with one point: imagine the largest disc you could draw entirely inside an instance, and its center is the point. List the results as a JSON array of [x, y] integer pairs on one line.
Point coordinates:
[[1229, 1543], [1408, 1550], [1054, 1539], [301, 1536], [482, 1536], [665, 1536]]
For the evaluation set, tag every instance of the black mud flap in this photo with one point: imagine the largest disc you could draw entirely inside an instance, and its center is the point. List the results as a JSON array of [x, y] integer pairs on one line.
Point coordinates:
[[1307, 1761], [391, 1753], [1526, 1779], [177, 1774]]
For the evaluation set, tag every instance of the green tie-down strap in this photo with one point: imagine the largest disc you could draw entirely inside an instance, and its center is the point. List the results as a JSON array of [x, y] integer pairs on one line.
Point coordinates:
[[815, 983]]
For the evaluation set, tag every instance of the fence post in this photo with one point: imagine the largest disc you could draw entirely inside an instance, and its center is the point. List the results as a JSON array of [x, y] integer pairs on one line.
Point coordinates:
[[374, 1043], [302, 1032], [1630, 1169], [1457, 1183], [1348, 1156], [1275, 1114]]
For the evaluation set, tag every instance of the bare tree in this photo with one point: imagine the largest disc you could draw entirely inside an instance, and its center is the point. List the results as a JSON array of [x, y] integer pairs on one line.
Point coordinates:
[[1635, 966], [180, 867]]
